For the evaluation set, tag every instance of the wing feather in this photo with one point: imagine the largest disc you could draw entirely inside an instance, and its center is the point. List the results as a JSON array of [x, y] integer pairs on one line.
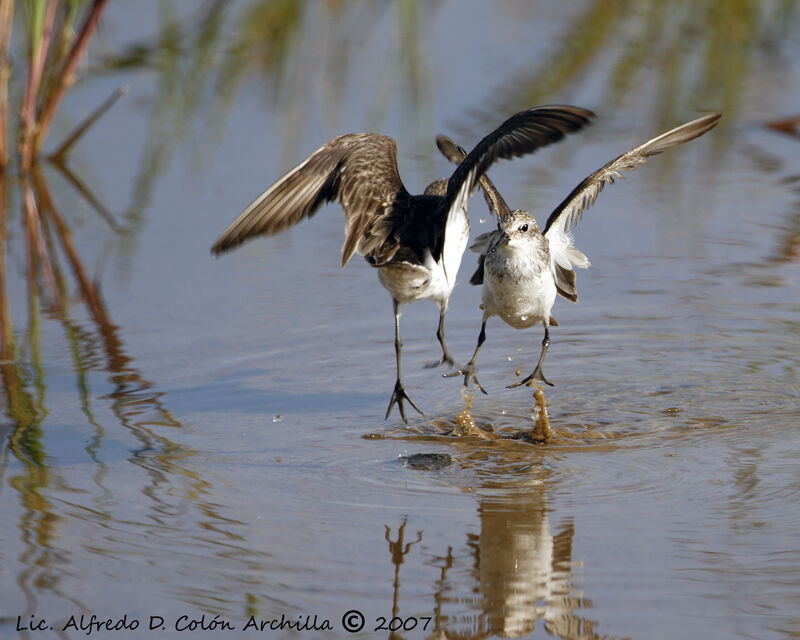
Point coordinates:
[[482, 245], [567, 214], [455, 153], [558, 228], [522, 133], [359, 170]]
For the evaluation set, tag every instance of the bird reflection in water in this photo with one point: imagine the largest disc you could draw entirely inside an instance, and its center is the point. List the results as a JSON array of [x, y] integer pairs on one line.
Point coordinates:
[[399, 550], [510, 575]]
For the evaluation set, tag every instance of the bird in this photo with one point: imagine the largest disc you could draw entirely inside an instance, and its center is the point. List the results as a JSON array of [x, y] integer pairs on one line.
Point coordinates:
[[523, 269], [416, 242]]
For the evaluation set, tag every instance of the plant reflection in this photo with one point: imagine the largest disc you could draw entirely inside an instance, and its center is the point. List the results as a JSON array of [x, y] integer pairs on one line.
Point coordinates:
[[46, 236], [302, 53], [788, 249], [134, 402], [704, 51], [45, 232]]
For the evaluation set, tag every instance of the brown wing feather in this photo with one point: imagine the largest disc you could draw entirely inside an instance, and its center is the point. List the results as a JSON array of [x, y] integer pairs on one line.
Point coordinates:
[[565, 282], [370, 190], [567, 214], [359, 170]]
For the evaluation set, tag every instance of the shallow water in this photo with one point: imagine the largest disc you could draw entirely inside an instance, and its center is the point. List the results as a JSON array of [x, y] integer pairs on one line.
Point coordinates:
[[208, 439]]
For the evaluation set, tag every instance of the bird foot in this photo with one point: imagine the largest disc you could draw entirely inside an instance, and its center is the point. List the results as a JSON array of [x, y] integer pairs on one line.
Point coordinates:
[[468, 371], [536, 375], [398, 395]]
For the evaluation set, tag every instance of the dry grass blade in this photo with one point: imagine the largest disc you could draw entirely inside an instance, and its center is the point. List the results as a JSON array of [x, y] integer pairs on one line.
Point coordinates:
[[64, 80], [6, 21], [58, 154], [38, 54]]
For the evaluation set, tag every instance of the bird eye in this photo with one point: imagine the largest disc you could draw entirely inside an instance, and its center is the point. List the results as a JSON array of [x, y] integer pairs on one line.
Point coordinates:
[[524, 228]]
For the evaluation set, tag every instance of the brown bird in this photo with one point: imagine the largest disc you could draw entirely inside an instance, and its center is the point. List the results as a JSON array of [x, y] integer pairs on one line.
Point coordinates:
[[521, 268], [415, 241]]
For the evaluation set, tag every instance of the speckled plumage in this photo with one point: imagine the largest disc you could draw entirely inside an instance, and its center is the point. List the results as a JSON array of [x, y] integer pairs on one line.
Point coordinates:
[[416, 241], [522, 268], [518, 282]]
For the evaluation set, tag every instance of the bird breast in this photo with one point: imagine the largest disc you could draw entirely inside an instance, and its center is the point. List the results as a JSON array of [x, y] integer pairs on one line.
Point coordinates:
[[518, 285]]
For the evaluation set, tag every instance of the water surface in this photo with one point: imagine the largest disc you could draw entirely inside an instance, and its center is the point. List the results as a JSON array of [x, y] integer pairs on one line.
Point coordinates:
[[207, 436]]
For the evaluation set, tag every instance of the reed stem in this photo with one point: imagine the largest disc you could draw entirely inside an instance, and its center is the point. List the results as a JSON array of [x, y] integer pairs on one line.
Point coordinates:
[[40, 41], [67, 74], [6, 20]]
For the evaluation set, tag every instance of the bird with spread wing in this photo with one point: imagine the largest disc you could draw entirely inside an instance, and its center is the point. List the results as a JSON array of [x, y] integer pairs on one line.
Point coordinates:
[[415, 241], [521, 268]]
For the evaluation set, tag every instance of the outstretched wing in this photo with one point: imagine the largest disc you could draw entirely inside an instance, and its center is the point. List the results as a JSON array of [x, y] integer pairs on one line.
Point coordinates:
[[522, 133], [567, 214], [558, 228], [359, 170], [455, 153], [550, 125]]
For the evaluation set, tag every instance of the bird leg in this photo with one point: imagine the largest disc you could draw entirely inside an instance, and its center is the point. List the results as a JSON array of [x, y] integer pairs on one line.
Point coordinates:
[[399, 394], [468, 370], [537, 372], [446, 357]]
